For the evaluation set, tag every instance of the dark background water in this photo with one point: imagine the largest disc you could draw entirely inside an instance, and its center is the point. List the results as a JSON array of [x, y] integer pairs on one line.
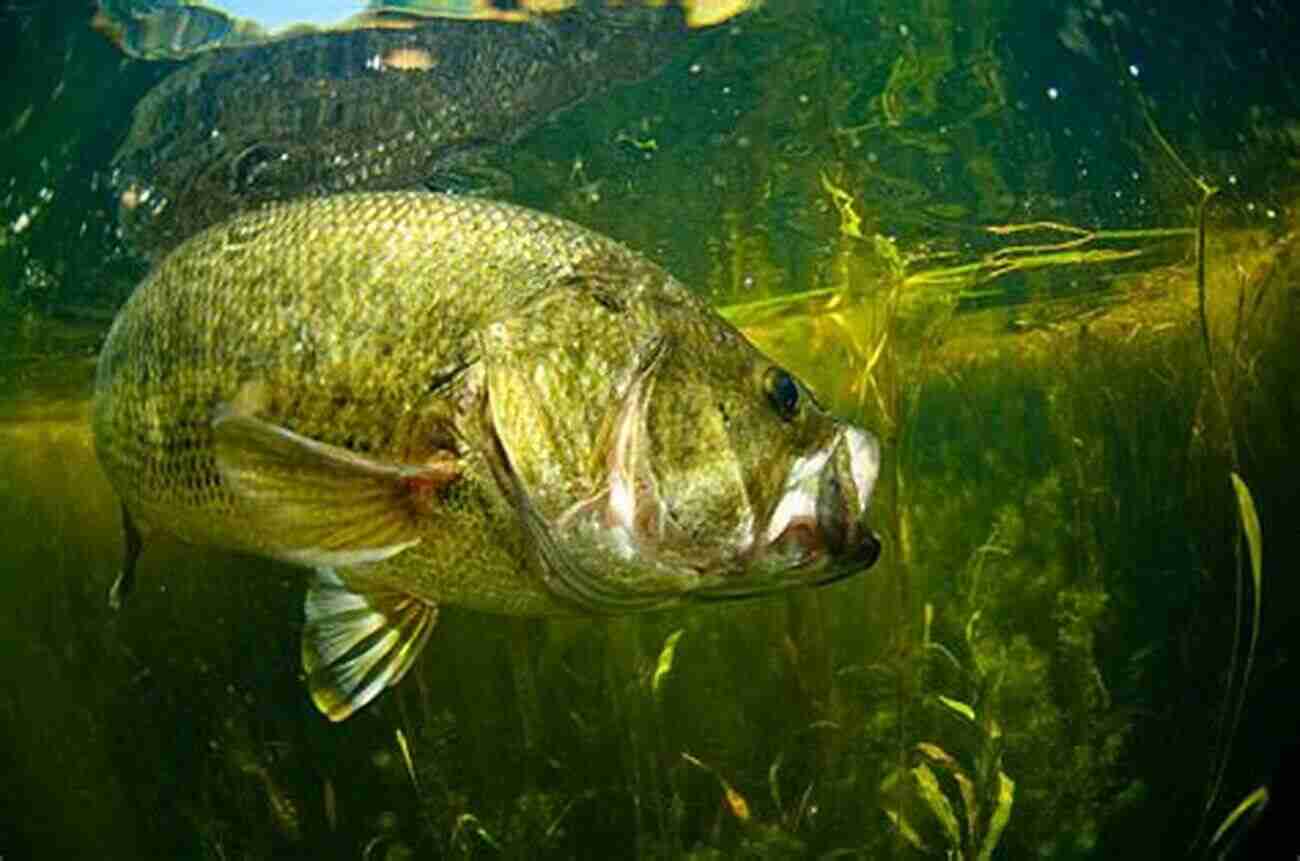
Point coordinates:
[[1056, 485]]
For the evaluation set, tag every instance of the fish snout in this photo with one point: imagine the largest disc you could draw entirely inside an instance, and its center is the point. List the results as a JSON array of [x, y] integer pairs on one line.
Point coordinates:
[[844, 496]]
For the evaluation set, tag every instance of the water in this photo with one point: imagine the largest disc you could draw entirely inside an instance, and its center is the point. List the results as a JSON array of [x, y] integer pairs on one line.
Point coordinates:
[[1054, 617]]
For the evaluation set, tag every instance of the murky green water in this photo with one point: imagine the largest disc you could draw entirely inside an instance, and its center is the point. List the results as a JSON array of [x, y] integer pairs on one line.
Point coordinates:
[[1047, 661]]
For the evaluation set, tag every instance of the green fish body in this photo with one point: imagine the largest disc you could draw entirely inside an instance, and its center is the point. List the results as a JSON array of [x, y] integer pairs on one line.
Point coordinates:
[[431, 399]]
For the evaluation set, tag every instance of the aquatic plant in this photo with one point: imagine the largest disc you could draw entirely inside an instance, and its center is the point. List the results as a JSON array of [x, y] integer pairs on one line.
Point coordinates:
[[1249, 807], [924, 808], [1224, 841]]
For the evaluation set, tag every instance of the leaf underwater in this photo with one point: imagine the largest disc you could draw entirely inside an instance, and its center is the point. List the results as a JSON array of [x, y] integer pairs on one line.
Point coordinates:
[[665, 663]]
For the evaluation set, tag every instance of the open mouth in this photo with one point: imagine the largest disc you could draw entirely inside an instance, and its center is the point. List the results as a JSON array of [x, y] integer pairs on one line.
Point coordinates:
[[822, 511], [817, 533]]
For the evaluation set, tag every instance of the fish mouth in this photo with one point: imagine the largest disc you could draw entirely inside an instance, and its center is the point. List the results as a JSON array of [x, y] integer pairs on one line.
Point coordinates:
[[817, 533], [844, 495]]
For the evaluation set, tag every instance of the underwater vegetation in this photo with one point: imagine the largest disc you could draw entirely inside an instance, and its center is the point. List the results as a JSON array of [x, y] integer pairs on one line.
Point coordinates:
[[1077, 641], [1013, 709]]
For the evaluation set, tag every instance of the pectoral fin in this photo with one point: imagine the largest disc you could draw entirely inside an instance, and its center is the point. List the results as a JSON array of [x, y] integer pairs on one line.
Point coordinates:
[[356, 641], [319, 504]]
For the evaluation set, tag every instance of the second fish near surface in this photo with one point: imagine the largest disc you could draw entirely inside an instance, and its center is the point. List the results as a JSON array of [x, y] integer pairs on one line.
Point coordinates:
[[433, 399], [374, 108]]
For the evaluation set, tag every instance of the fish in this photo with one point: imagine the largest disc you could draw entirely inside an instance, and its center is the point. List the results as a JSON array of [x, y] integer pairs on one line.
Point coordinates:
[[370, 109], [434, 400]]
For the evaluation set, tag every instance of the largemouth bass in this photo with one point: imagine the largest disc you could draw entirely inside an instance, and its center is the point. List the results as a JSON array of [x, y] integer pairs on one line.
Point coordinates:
[[363, 110], [432, 399]]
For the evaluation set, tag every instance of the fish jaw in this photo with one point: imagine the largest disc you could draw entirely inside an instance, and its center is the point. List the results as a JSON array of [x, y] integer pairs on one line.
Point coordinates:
[[844, 497], [817, 531], [821, 515]]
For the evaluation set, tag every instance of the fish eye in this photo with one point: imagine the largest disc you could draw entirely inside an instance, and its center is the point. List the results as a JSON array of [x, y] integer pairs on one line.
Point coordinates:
[[782, 393]]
